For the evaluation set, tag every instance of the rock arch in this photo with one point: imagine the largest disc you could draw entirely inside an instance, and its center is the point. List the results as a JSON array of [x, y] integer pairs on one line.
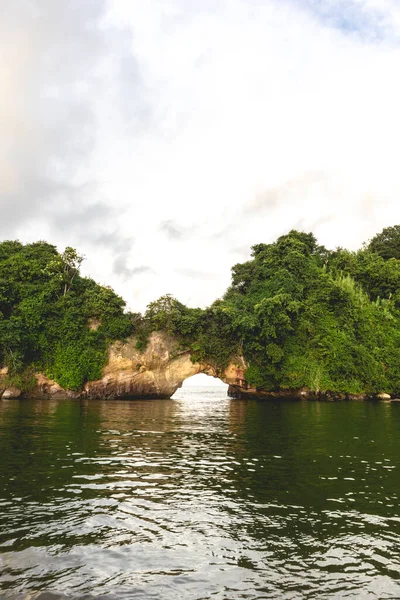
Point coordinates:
[[156, 372]]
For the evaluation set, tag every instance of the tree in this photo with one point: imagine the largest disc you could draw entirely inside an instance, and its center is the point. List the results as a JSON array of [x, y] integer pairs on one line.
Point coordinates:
[[65, 267], [45, 311], [387, 243], [71, 263]]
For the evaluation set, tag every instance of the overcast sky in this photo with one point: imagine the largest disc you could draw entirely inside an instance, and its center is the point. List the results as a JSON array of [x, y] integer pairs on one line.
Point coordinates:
[[162, 138]]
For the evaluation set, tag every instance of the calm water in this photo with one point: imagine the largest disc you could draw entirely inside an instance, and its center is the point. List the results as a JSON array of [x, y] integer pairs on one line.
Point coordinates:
[[199, 497]]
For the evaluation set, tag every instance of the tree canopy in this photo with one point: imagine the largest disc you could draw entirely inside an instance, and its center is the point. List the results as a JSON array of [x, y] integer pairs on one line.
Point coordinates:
[[45, 312], [299, 314], [387, 243]]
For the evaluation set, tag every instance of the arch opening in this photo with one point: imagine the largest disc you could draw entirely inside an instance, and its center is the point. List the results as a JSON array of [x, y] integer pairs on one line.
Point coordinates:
[[202, 383], [204, 380]]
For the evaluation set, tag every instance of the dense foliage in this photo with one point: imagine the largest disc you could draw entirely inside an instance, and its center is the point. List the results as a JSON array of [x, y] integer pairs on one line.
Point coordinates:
[[387, 243], [300, 315], [312, 318], [51, 318]]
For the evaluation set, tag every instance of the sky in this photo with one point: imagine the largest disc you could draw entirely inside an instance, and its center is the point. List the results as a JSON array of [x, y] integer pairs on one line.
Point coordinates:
[[163, 138], [203, 380]]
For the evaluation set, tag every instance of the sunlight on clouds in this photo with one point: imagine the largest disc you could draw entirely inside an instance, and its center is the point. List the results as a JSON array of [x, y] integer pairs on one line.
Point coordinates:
[[251, 101], [202, 130]]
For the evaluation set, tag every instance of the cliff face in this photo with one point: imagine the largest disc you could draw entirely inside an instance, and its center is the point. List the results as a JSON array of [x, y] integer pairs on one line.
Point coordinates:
[[156, 372]]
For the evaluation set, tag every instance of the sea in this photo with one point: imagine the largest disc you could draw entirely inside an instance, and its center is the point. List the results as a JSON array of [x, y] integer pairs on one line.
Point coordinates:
[[199, 497]]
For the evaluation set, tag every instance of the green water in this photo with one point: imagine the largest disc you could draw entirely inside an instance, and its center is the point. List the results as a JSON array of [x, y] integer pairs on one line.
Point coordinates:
[[199, 497]]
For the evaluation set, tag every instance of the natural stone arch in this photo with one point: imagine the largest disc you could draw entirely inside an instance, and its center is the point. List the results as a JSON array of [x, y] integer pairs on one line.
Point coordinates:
[[201, 380], [156, 372]]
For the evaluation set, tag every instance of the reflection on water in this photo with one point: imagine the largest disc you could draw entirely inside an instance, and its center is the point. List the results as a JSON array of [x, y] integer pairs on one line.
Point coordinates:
[[199, 497]]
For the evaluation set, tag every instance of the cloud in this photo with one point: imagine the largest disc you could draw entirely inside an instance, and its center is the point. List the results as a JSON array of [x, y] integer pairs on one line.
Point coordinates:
[[273, 198], [196, 274], [364, 18], [142, 270], [76, 210], [172, 230], [47, 62], [120, 268], [119, 250], [56, 62], [163, 139]]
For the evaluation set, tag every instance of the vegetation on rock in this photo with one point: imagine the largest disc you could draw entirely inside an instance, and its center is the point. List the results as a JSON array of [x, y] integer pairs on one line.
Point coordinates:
[[45, 307], [312, 318], [299, 314]]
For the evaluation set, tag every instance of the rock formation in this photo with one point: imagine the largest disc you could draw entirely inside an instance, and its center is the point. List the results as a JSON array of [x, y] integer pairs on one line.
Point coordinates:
[[156, 372]]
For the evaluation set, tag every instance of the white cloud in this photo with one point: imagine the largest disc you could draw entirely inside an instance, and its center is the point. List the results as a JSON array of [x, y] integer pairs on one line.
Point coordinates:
[[234, 122]]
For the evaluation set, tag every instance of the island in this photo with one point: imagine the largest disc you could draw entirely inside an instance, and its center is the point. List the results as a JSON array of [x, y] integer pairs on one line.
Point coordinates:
[[298, 321]]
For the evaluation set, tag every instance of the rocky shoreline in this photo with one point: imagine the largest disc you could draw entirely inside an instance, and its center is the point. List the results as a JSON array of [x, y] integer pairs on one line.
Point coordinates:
[[157, 372], [239, 393]]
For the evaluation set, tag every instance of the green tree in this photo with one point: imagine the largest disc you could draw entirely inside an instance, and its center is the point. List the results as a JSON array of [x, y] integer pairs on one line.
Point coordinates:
[[46, 307], [300, 315], [387, 243]]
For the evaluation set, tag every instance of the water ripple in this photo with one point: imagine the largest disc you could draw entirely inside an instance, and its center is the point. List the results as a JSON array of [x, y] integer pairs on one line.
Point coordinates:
[[199, 497]]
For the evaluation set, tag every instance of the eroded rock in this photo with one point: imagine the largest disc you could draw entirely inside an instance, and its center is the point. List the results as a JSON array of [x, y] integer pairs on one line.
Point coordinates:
[[156, 372], [11, 392]]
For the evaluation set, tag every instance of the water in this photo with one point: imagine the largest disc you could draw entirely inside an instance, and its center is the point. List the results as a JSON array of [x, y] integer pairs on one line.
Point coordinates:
[[199, 497]]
